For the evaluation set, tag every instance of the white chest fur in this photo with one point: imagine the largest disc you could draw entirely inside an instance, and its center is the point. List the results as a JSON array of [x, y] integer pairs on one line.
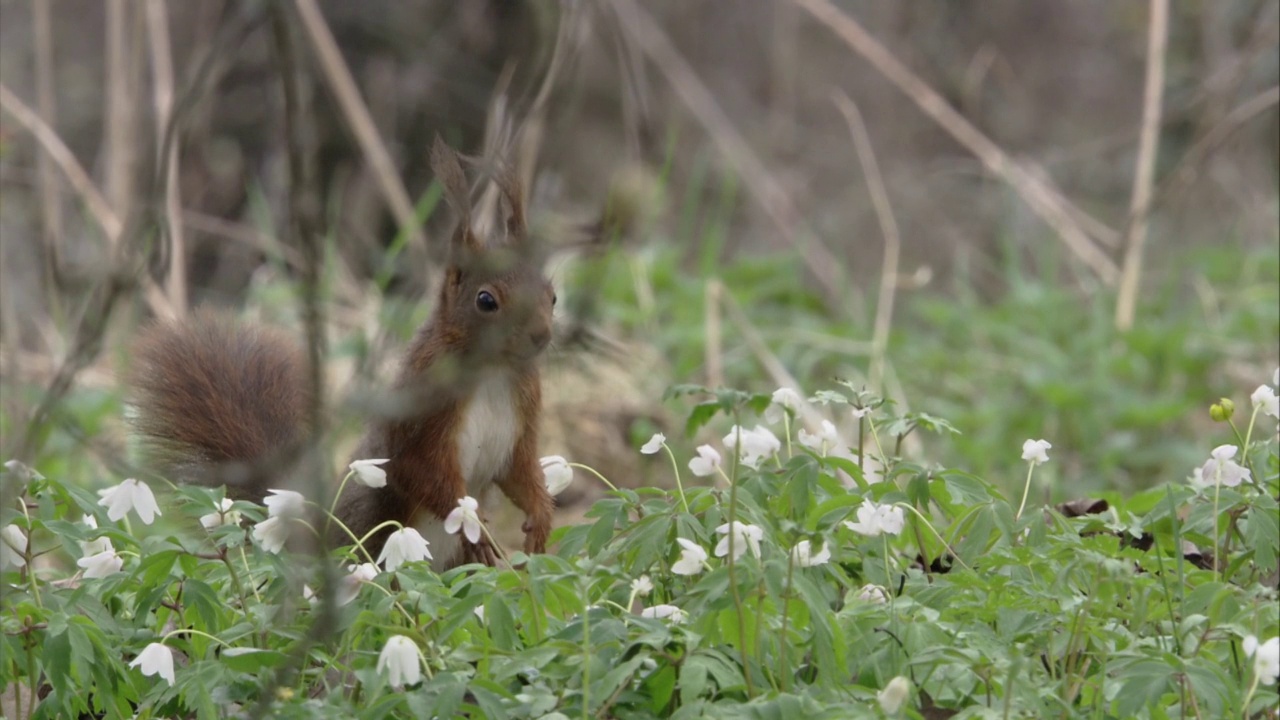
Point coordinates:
[[488, 433], [486, 438]]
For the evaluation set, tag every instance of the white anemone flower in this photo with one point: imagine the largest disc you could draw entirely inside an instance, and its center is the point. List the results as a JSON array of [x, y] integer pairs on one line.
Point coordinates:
[[744, 537], [1266, 658], [875, 519], [156, 659], [400, 662], [692, 558], [285, 503], [1036, 451], [1221, 469], [13, 546], [803, 556], [403, 546], [129, 495], [753, 445], [557, 473], [642, 586], [224, 515], [465, 518], [1265, 399], [102, 564], [654, 445], [893, 695], [706, 462], [675, 614], [368, 472], [784, 400]]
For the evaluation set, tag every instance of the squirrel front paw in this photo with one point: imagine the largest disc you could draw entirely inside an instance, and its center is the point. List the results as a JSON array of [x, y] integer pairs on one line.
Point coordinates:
[[479, 552], [535, 536]]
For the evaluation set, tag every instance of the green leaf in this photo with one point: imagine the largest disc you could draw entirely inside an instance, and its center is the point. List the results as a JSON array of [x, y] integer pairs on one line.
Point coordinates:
[[251, 660], [660, 686]]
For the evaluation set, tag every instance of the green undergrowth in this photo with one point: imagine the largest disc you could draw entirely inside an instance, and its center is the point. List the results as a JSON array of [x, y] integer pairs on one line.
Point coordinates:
[[777, 580], [1126, 406]]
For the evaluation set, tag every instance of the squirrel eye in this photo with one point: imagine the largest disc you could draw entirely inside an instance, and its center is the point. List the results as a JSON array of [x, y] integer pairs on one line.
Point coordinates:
[[486, 302], [554, 298]]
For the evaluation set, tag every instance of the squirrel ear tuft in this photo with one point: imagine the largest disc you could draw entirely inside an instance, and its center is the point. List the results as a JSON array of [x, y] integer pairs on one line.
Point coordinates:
[[448, 170], [509, 183]]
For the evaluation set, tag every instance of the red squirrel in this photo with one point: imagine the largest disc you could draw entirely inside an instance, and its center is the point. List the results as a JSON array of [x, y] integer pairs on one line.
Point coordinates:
[[224, 402]]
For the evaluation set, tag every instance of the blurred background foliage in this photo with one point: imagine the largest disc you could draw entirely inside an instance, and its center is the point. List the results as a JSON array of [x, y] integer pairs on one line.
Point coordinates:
[[997, 326]]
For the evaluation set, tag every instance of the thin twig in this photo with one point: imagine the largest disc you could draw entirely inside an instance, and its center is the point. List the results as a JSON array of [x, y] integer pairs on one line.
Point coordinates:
[[714, 350], [119, 150], [888, 228], [1040, 196], [46, 106], [768, 360], [343, 86], [766, 190], [162, 72], [102, 213], [1144, 175], [1189, 165]]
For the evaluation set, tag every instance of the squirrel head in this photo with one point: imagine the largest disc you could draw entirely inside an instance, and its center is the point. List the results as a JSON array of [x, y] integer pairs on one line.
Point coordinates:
[[495, 304]]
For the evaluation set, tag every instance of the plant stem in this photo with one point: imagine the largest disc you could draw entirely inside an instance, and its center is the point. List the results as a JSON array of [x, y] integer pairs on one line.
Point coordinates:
[[586, 653], [1026, 490], [333, 507], [733, 578], [782, 636], [603, 479], [675, 468]]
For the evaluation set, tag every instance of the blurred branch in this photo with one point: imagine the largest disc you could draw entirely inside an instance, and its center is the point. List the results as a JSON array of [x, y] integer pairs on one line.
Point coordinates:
[[1189, 165], [714, 348], [50, 197], [766, 190], [1046, 201], [343, 86], [119, 151], [79, 180], [1144, 175], [888, 227], [157, 18]]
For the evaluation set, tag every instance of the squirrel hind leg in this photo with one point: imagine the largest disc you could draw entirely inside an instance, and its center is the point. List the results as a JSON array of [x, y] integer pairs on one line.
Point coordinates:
[[219, 402]]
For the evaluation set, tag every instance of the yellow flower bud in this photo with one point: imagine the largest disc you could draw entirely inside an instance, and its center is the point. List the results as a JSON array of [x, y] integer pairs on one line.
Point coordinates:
[[1222, 410]]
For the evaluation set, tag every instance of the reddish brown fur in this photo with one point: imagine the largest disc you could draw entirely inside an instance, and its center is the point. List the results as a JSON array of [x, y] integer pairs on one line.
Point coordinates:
[[213, 394], [217, 401]]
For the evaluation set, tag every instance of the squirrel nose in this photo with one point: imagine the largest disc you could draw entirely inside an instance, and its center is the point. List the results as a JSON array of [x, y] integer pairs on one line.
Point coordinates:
[[540, 337]]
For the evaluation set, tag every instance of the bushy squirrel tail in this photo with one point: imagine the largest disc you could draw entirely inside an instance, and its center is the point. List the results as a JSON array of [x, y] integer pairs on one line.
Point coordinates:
[[217, 401]]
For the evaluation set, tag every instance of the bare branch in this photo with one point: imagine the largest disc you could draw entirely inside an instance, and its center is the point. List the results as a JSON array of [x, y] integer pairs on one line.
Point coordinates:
[[1144, 175], [1056, 211], [767, 191], [888, 227], [343, 87]]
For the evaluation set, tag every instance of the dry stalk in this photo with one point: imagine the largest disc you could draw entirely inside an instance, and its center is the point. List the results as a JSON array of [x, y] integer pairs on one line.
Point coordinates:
[[343, 86], [714, 352], [93, 200], [888, 228], [766, 190], [119, 152], [46, 105], [1144, 175], [1054, 209], [157, 18], [1189, 165]]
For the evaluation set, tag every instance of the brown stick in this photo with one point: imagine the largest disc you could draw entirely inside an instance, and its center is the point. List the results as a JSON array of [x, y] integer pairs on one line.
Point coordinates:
[[888, 228], [79, 180], [1054, 209], [343, 87], [770, 195], [1144, 175], [157, 18]]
